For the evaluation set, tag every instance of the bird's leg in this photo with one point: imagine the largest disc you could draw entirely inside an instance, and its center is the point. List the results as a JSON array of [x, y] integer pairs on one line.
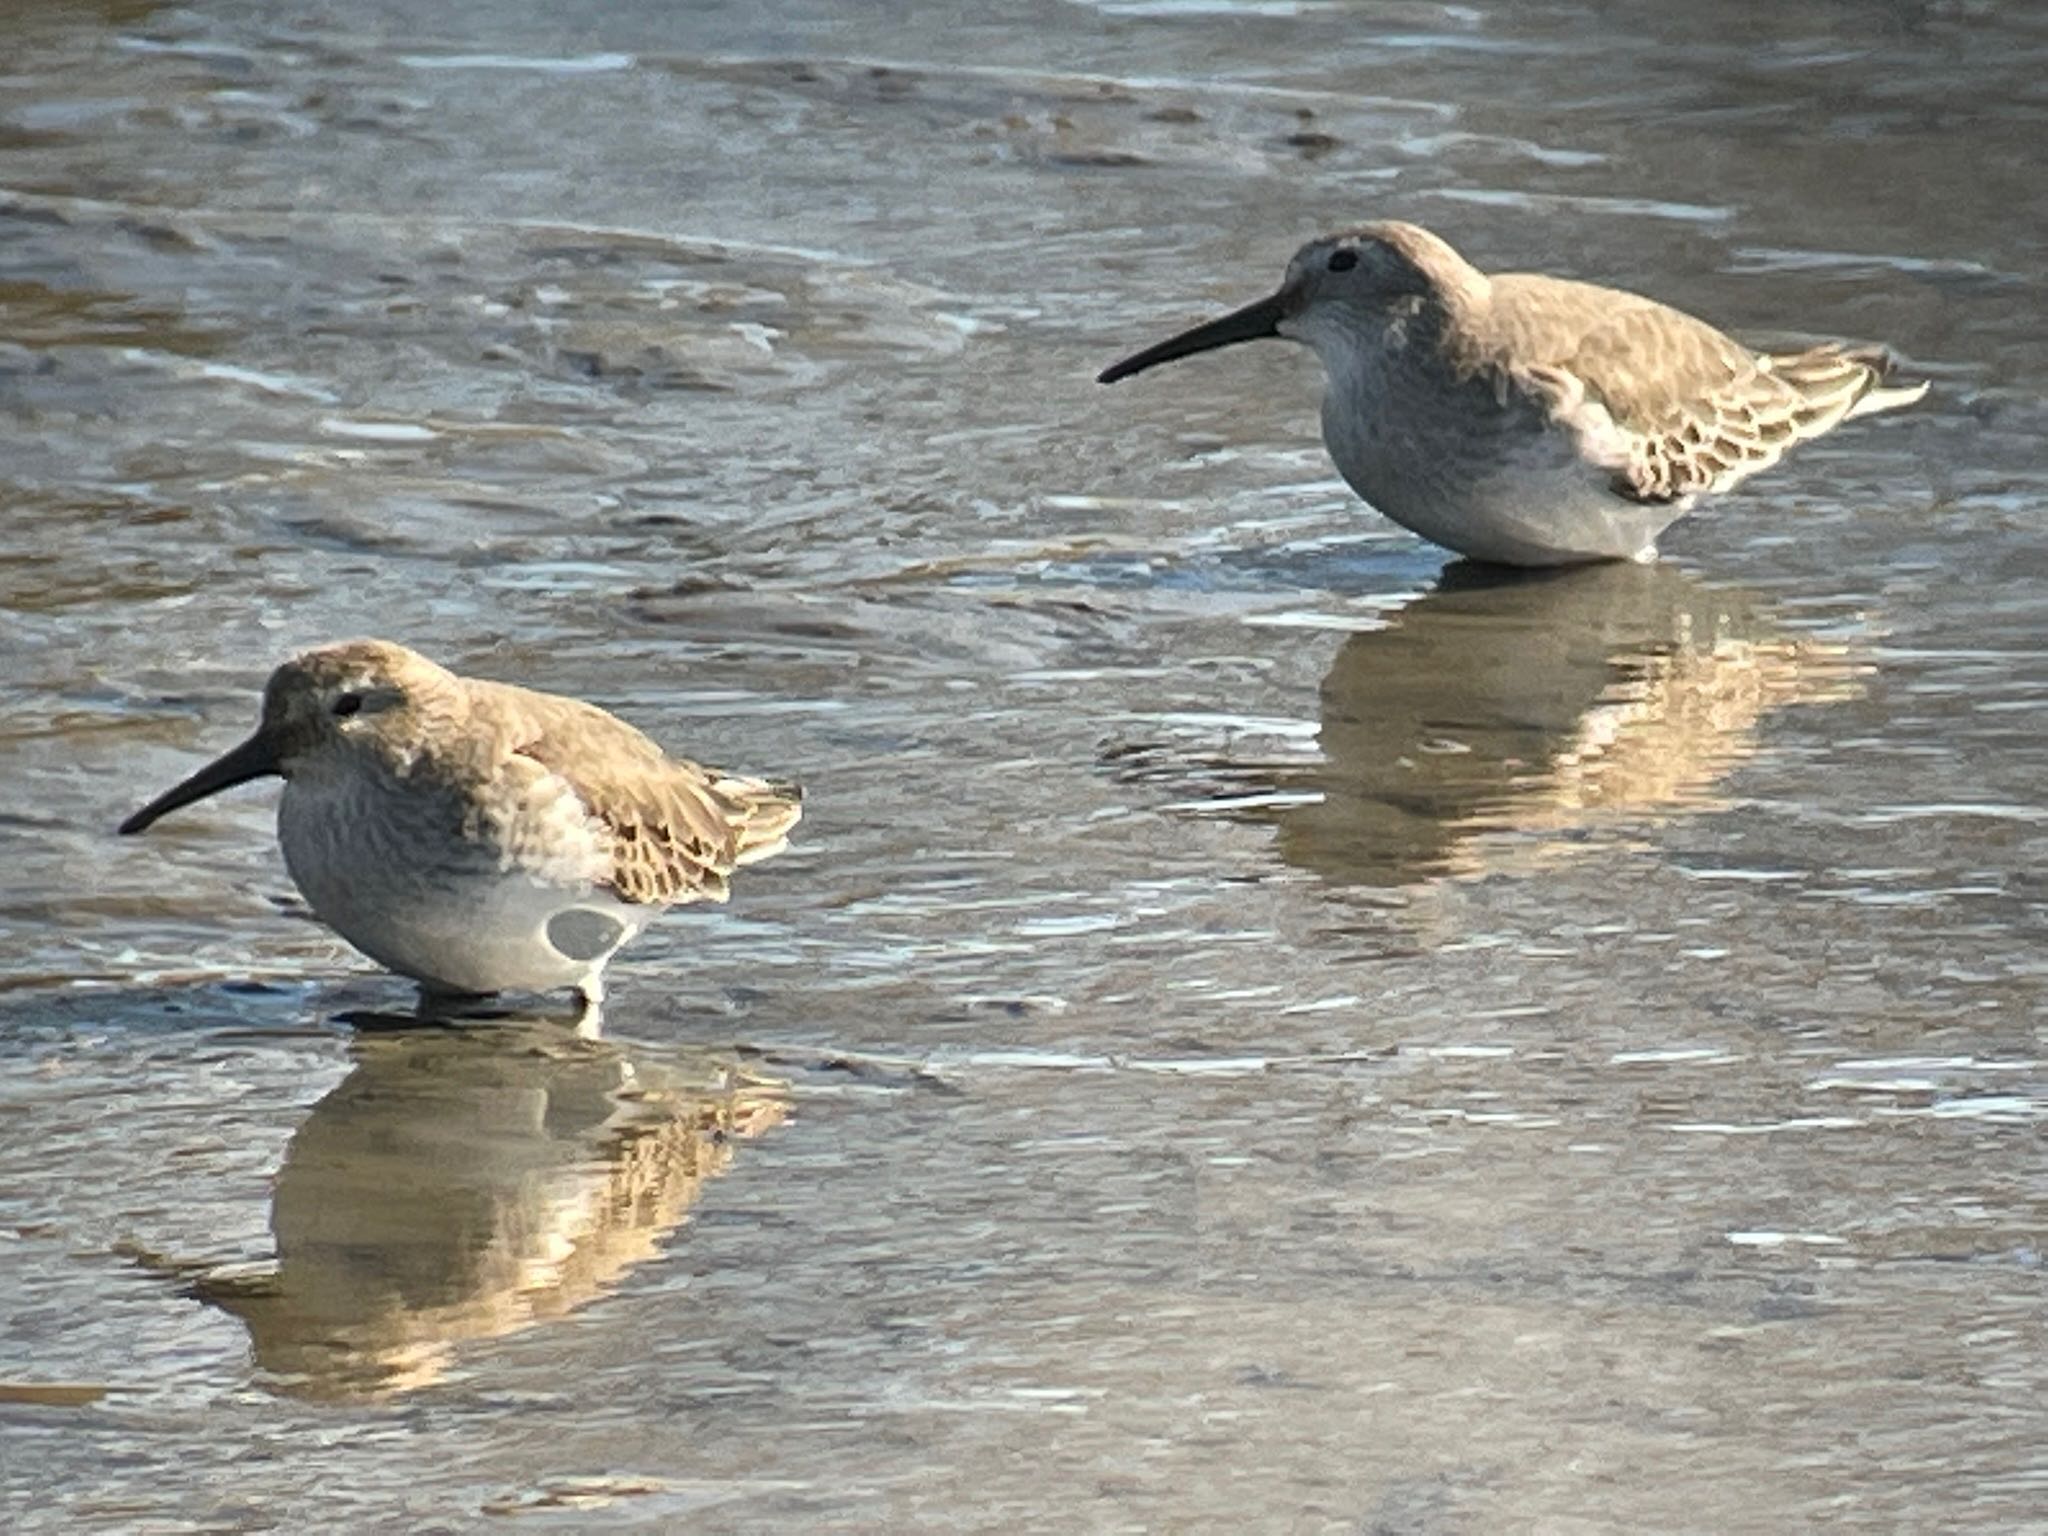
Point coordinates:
[[590, 1005]]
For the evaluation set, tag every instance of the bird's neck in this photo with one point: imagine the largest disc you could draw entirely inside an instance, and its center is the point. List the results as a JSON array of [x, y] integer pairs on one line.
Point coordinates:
[[1399, 347]]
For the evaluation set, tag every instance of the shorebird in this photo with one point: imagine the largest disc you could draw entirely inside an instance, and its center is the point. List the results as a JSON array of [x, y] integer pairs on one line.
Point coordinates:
[[1530, 420], [479, 837]]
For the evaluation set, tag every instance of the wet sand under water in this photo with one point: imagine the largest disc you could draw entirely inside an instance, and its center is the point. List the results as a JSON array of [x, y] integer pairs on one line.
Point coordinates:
[[1259, 1029]]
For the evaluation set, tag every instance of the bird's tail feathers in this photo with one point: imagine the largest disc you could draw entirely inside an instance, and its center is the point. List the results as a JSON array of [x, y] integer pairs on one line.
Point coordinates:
[[1889, 398], [763, 811], [1839, 383]]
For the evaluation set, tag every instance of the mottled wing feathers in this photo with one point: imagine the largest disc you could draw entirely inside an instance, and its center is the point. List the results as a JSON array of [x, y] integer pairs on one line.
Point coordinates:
[[1712, 443], [675, 830], [1668, 405]]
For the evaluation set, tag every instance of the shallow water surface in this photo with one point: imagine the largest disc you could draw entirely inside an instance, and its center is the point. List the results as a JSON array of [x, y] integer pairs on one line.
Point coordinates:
[[1260, 1027]]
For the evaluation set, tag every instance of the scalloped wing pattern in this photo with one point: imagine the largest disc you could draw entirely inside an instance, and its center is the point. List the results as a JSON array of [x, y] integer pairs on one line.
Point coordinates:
[[674, 831]]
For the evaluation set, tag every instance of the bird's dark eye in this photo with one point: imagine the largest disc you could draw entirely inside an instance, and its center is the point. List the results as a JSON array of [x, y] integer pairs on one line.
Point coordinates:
[[346, 705], [1344, 260]]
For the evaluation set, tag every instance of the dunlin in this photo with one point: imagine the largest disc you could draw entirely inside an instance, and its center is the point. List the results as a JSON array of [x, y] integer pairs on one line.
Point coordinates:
[[479, 837], [1530, 420]]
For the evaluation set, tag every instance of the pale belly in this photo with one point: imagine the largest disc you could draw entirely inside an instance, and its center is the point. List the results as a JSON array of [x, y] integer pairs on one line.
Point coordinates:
[[1520, 499], [441, 911]]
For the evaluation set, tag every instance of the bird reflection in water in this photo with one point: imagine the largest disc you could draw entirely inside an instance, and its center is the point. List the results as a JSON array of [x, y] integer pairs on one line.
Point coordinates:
[[463, 1184], [1501, 719]]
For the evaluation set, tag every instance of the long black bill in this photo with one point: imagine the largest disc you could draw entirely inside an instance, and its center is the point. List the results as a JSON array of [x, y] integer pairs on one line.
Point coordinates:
[[251, 760], [1252, 323]]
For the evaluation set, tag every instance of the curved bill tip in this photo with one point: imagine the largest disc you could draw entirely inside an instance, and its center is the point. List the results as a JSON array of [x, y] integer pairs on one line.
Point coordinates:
[[253, 759], [1254, 322]]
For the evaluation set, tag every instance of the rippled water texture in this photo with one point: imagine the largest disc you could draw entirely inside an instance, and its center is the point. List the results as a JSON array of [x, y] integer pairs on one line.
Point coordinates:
[[1260, 1031]]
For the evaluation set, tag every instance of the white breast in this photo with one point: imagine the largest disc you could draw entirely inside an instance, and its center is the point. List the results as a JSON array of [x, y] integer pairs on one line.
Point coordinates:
[[396, 869], [1480, 482]]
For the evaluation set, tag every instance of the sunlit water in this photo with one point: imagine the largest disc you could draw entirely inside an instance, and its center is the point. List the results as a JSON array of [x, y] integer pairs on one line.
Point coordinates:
[[1258, 1030]]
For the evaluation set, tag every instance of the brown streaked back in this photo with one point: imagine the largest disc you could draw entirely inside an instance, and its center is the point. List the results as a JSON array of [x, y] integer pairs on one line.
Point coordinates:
[[1641, 359], [1697, 410], [677, 830]]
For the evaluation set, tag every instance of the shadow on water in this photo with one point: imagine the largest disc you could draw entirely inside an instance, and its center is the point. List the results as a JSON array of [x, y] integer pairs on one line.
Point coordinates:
[[465, 1183], [1504, 717]]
